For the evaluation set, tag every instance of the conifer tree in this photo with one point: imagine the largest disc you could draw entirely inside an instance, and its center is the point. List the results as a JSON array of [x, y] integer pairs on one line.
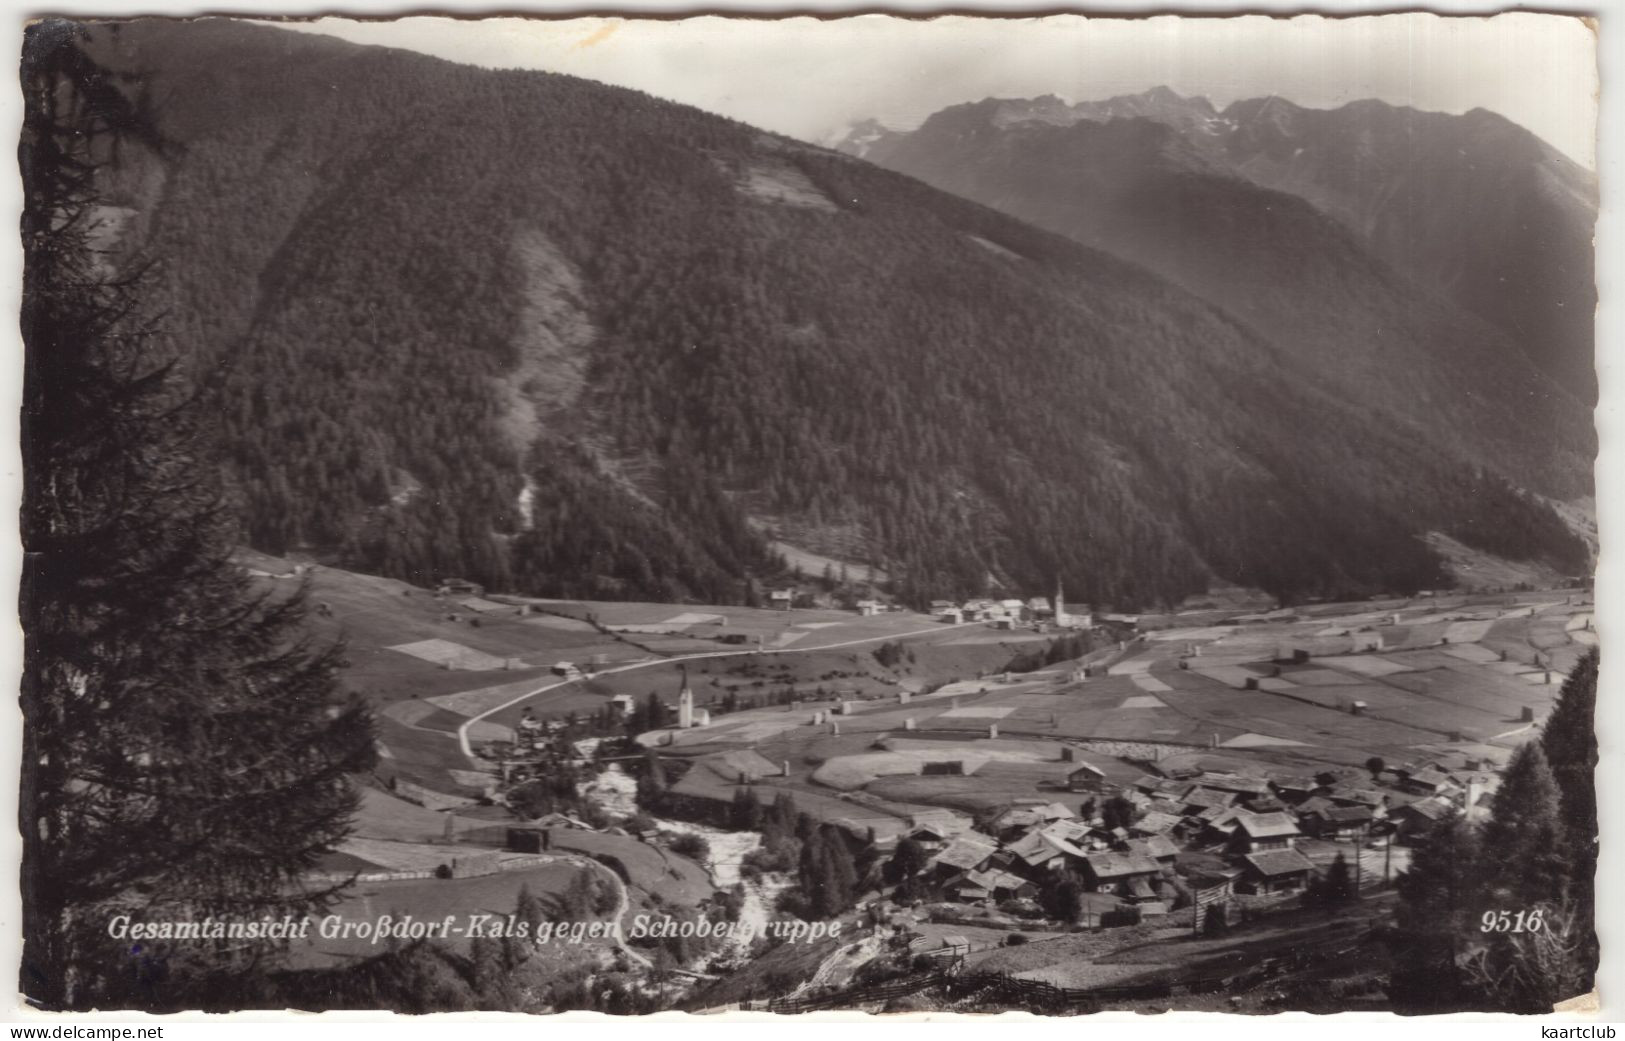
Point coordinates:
[[810, 870], [1524, 813], [1337, 888], [1061, 898], [1438, 897], [485, 952], [830, 901], [578, 898], [843, 869], [652, 782], [1117, 812], [1569, 740], [528, 909], [186, 753], [1546, 876], [908, 860]]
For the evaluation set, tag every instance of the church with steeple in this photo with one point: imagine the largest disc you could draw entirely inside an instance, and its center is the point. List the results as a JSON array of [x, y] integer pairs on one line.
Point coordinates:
[[685, 704], [1065, 619], [1062, 619]]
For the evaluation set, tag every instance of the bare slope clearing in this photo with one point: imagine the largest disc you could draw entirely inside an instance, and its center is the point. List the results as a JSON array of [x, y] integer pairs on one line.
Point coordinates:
[[1475, 570]]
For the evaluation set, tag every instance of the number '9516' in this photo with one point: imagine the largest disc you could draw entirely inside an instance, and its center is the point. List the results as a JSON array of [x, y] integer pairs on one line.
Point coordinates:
[[1510, 922]]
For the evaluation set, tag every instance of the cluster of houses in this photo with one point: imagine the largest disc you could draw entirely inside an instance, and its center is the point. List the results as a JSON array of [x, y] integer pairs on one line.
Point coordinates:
[[787, 599], [1007, 614], [1246, 832], [1186, 834]]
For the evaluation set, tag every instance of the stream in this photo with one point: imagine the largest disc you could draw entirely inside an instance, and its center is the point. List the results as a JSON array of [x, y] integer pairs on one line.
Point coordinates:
[[616, 793]]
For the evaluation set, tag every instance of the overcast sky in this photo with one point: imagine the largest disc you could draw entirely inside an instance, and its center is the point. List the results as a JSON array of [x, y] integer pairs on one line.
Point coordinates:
[[810, 78]]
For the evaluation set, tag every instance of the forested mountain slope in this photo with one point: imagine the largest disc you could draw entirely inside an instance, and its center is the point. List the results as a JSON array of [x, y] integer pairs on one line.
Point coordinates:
[[566, 338], [1141, 189]]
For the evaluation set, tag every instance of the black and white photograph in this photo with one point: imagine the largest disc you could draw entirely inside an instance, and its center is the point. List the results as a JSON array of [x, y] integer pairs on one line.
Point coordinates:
[[888, 514]]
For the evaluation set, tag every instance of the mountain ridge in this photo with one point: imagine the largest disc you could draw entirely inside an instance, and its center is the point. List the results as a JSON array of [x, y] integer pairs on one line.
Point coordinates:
[[1471, 208]]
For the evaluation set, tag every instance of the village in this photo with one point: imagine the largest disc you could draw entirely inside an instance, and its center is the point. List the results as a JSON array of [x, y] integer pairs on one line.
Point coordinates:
[[1007, 777]]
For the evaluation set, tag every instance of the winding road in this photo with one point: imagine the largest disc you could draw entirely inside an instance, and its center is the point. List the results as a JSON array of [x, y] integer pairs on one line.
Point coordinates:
[[623, 904]]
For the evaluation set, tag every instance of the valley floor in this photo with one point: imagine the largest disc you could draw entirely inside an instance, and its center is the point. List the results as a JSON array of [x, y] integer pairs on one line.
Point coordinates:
[[1449, 683]]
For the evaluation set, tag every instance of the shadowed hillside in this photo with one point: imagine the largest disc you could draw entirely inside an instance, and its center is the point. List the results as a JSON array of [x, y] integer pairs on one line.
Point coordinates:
[[566, 338]]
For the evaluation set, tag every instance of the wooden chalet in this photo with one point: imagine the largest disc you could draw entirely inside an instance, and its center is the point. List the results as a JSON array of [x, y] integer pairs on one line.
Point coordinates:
[[1015, 821], [1135, 876], [1265, 804], [1084, 777], [1416, 818], [1295, 789], [932, 835], [1038, 855], [967, 852], [991, 884], [1199, 799], [1313, 804], [1260, 832], [1217, 823], [1237, 784], [1069, 831], [1154, 823], [1160, 848], [1275, 871], [1169, 788], [1338, 822], [1370, 798], [1426, 781]]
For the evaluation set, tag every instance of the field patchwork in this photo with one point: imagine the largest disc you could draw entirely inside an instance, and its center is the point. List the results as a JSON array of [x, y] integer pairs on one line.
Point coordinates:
[[1365, 666], [451, 655]]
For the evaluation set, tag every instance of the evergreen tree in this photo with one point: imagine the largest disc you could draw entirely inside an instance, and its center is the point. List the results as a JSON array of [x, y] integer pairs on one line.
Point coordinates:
[[1439, 896], [1117, 812], [908, 860], [1524, 812], [1546, 876], [528, 909], [186, 751], [1337, 888], [1569, 740], [845, 870], [826, 874], [651, 782], [810, 870], [745, 814], [485, 952], [1061, 899], [579, 897]]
